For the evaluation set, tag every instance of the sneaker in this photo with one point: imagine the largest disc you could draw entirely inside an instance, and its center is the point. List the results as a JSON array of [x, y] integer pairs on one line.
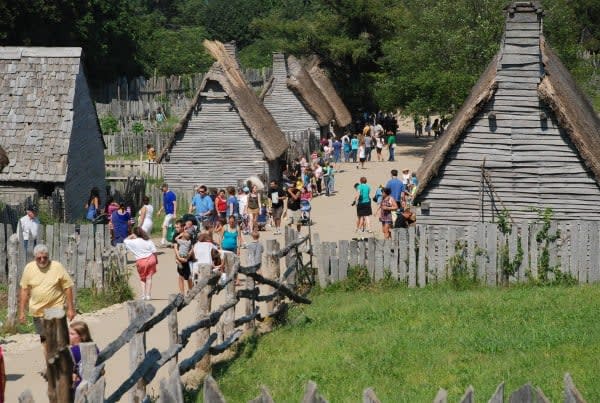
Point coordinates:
[[148, 298], [143, 298], [223, 279]]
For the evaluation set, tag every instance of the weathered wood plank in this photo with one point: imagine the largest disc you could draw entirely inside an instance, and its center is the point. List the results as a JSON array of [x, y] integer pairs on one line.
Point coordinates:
[[412, 258], [403, 255], [379, 257], [594, 273], [343, 259], [432, 268], [421, 279], [371, 257], [442, 252], [491, 247], [353, 262]]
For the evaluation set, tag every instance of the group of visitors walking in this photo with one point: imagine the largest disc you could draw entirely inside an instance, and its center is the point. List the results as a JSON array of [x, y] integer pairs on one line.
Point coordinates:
[[394, 202]]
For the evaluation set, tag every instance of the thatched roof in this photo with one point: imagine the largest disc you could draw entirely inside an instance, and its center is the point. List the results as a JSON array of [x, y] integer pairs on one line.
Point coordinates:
[[481, 93], [573, 110], [37, 97], [3, 159], [310, 95], [342, 115], [261, 125]]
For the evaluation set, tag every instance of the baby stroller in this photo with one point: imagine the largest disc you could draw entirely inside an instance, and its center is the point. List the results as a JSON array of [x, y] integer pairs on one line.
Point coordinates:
[[261, 220], [305, 212]]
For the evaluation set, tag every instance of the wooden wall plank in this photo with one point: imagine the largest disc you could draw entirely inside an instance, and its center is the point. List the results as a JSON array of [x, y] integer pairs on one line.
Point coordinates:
[[412, 258], [403, 255], [371, 257], [353, 261], [421, 278], [432, 267], [491, 247], [379, 259], [594, 273]]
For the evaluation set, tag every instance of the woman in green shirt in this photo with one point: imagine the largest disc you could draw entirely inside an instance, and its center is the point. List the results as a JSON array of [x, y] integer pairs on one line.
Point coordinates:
[[363, 205]]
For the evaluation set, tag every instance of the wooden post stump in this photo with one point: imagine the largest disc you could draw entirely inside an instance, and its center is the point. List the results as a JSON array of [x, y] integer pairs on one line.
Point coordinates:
[[204, 303], [58, 356], [173, 329], [137, 352], [271, 272]]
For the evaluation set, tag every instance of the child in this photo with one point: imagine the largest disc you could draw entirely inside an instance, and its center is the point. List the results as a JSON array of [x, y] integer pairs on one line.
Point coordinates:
[[255, 250], [79, 332], [184, 244]]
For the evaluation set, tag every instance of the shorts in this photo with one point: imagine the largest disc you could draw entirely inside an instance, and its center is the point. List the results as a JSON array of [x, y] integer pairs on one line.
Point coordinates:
[[277, 212], [379, 150], [295, 216], [364, 209], [168, 219], [146, 267], [38, 323], [183, 269], [252, 211], [362, 159]]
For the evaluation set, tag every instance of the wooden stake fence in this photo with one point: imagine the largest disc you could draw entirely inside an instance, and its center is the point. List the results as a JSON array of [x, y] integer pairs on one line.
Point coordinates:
[[525, 394], [420, 255]]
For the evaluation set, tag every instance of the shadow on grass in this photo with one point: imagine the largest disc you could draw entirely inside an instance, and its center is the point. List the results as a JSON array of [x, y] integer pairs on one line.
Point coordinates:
[[246, 348]]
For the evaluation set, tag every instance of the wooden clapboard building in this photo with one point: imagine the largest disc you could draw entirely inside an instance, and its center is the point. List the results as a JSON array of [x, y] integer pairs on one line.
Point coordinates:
[[525, 138], [293, 99], [48, 128], [226, 134]]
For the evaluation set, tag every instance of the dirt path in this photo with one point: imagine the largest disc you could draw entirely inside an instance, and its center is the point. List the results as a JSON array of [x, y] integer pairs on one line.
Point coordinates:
[[334, 219]]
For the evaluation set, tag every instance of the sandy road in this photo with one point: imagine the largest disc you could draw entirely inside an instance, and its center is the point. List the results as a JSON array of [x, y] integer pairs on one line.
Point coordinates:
[[334, 219]]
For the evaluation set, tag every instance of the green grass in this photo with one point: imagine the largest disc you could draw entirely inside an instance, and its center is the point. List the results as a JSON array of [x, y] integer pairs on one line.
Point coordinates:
[[407, 343]]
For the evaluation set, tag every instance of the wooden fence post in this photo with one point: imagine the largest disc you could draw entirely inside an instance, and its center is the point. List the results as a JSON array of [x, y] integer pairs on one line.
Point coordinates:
[[13, 282], [3, 257], [204, 303], [271, 272], [173, 329], [58, 356], [137, 352]]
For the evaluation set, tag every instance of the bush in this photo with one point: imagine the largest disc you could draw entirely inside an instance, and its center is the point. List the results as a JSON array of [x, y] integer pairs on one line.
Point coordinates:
[[138, 128], [109, 125]]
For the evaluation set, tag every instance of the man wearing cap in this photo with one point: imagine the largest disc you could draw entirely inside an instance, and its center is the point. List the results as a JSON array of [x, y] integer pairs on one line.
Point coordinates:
[[28, 227], [169, 206], [203, 204]]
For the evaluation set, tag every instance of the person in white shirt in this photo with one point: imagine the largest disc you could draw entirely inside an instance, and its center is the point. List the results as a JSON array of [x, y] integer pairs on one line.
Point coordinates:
[[144, 252], [28, 227]]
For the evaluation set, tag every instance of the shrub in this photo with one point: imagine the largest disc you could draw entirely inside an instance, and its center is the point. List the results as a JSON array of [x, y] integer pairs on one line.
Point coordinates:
[[138, 128], [109, 124]]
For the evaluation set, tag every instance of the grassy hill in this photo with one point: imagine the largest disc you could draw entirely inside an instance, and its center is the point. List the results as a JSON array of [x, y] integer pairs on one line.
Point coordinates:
[[407, 343]]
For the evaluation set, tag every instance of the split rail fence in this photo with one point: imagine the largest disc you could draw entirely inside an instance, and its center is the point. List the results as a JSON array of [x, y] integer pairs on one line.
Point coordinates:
[[144, 363], [525, 394], [420, 255]]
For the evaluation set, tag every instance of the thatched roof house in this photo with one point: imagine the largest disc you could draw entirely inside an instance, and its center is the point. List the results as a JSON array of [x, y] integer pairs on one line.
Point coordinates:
[[525, 138], [226, 134], [341, 113], [293, 99], [50, 130]]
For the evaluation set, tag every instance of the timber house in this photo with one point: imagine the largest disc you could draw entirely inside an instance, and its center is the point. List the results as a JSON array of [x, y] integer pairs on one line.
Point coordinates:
[[226, 134], [526, 137], [294, 100], [48, 128]]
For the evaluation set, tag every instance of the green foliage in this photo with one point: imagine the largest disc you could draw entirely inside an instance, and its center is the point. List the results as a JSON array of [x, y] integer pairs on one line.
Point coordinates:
[[549, 274], [463, 276], [137, 128], [109, 124], [90, 300], [442, 338], [509, 267]]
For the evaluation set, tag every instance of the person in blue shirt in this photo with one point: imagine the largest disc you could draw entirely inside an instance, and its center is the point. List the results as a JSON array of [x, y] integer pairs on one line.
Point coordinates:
[[354, 148], [395, 185], [396, 188], [169, 206], [203, 204]]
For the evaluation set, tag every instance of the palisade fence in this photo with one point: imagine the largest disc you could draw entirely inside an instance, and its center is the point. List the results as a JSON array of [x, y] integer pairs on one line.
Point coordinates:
[[144, 363], [301, 143], [140, 97], [420, 255], [121, 169], [84, 250], [135, 144]]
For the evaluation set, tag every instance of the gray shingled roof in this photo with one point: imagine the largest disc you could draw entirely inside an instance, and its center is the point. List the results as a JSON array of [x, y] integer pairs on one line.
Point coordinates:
[[37, 89]]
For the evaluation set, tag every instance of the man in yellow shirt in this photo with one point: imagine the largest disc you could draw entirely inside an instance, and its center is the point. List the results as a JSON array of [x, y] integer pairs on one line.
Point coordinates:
[[45, 284]]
